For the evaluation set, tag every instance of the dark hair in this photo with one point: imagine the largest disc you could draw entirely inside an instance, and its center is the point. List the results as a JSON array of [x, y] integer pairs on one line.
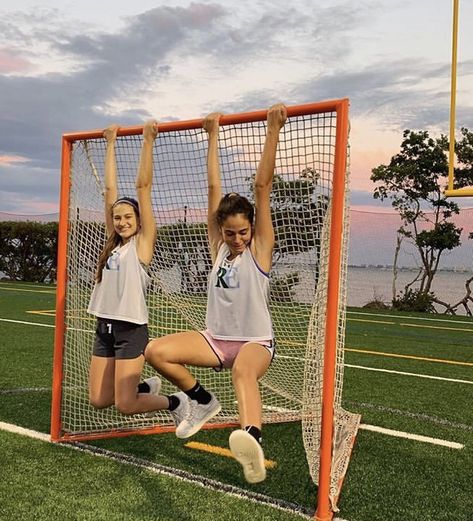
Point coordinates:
[[128, 200], [114, 239], [232, 204]]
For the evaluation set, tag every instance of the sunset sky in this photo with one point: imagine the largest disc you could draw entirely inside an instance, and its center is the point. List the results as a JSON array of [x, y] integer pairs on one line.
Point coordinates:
[[79, 65]]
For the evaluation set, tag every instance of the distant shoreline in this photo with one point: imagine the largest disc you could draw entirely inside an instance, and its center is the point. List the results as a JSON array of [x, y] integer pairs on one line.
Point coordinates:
[[407, 268]]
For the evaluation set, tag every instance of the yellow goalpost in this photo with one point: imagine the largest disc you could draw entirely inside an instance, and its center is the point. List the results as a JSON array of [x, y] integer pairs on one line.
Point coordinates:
[[451, 191]]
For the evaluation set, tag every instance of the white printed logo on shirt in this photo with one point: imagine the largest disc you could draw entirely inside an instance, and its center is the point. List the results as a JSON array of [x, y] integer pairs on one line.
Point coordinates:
[[227, 278], [113, 262]]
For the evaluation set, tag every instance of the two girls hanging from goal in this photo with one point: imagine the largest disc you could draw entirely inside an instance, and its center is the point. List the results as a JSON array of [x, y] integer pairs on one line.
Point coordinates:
[[119, 296], [239, 332]]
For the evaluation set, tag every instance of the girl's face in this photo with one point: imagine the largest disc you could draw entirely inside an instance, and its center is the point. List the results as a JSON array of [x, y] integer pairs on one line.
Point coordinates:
[[125, 221], [236, 233]]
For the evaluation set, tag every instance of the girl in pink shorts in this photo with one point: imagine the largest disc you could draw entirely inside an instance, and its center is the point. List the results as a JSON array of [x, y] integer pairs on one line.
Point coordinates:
[[227, 350], [239, 333]]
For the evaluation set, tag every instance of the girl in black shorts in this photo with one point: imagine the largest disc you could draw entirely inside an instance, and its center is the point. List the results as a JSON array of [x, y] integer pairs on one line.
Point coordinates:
[[119, 296]]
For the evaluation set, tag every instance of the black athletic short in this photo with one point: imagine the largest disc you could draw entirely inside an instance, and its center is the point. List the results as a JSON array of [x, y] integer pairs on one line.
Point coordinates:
[[118, 339]]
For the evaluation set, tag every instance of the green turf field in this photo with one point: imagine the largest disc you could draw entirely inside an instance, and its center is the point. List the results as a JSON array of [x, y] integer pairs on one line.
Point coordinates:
[[410, 373]]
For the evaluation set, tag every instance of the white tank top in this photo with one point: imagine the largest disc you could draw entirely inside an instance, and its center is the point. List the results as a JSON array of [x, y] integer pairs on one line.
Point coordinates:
[[238, 298], [121, 295]]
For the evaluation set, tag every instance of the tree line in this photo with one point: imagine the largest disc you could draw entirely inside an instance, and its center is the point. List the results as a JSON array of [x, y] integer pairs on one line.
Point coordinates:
[[28, 250]]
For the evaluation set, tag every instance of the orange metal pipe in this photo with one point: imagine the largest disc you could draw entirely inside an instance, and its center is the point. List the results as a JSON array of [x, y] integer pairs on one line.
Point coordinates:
[[324, 510], [122, 433], [230, 119], [61, 276]]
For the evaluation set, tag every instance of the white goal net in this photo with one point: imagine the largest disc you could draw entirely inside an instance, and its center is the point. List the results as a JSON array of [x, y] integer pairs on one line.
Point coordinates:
[[302, 215]]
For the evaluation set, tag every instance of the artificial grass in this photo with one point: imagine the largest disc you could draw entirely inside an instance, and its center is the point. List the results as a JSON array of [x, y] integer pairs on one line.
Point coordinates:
[[388, 478]]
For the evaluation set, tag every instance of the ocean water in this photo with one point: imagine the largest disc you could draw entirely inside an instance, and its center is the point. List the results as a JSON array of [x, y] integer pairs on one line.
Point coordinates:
[[366, 284]]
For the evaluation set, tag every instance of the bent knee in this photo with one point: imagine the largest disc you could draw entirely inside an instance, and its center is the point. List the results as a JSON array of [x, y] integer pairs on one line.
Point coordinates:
[[243, 372], [151, 350], [148, 349], [99, 402], [126, 406], [155, 353]]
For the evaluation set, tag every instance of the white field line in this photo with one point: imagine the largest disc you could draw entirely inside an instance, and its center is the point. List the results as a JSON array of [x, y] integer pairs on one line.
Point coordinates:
[[21, 390], [174, 473], [403, 373], [391, 432], [15, 429], [42, 325], [32, 285], [26, 323], [409, 436], [36, 290], [419, 416]]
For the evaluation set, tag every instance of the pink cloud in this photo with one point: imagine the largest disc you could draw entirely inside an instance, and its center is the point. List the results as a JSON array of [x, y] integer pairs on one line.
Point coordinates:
[[361, 164], [43, 207], [9, 160], [9, 63]]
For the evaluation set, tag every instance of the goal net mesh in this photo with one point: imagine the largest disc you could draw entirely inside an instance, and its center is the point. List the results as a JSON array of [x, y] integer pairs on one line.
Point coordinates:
[[301, 205]]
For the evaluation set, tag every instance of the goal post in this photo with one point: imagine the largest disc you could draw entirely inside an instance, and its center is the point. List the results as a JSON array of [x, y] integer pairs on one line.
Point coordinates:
[[309, 204], [324, 506], [452, 190]]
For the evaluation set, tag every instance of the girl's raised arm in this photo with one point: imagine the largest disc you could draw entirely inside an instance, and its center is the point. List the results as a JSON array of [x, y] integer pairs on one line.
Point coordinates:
[[264, 233], [211, 126], [111, 190], [147, 234]]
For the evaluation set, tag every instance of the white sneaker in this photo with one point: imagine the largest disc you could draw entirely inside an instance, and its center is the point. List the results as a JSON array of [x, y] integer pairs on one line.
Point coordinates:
[[248, 452], [180, 412], [154, 385], [197, 415]]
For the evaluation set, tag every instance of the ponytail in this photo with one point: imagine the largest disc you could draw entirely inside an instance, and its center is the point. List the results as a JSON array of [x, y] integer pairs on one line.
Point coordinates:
[[112, 242]]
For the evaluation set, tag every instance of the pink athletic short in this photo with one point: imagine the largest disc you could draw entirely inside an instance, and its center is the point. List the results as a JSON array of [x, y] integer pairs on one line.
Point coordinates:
[[227, 350]]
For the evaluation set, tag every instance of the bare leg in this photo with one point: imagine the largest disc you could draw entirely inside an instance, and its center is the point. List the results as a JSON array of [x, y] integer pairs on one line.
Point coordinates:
[[127, 398], [250, 365], [101, 381], [170, 353]]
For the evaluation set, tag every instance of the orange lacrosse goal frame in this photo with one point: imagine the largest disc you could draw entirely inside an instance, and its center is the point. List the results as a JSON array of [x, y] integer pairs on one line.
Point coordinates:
[[331, 312]]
